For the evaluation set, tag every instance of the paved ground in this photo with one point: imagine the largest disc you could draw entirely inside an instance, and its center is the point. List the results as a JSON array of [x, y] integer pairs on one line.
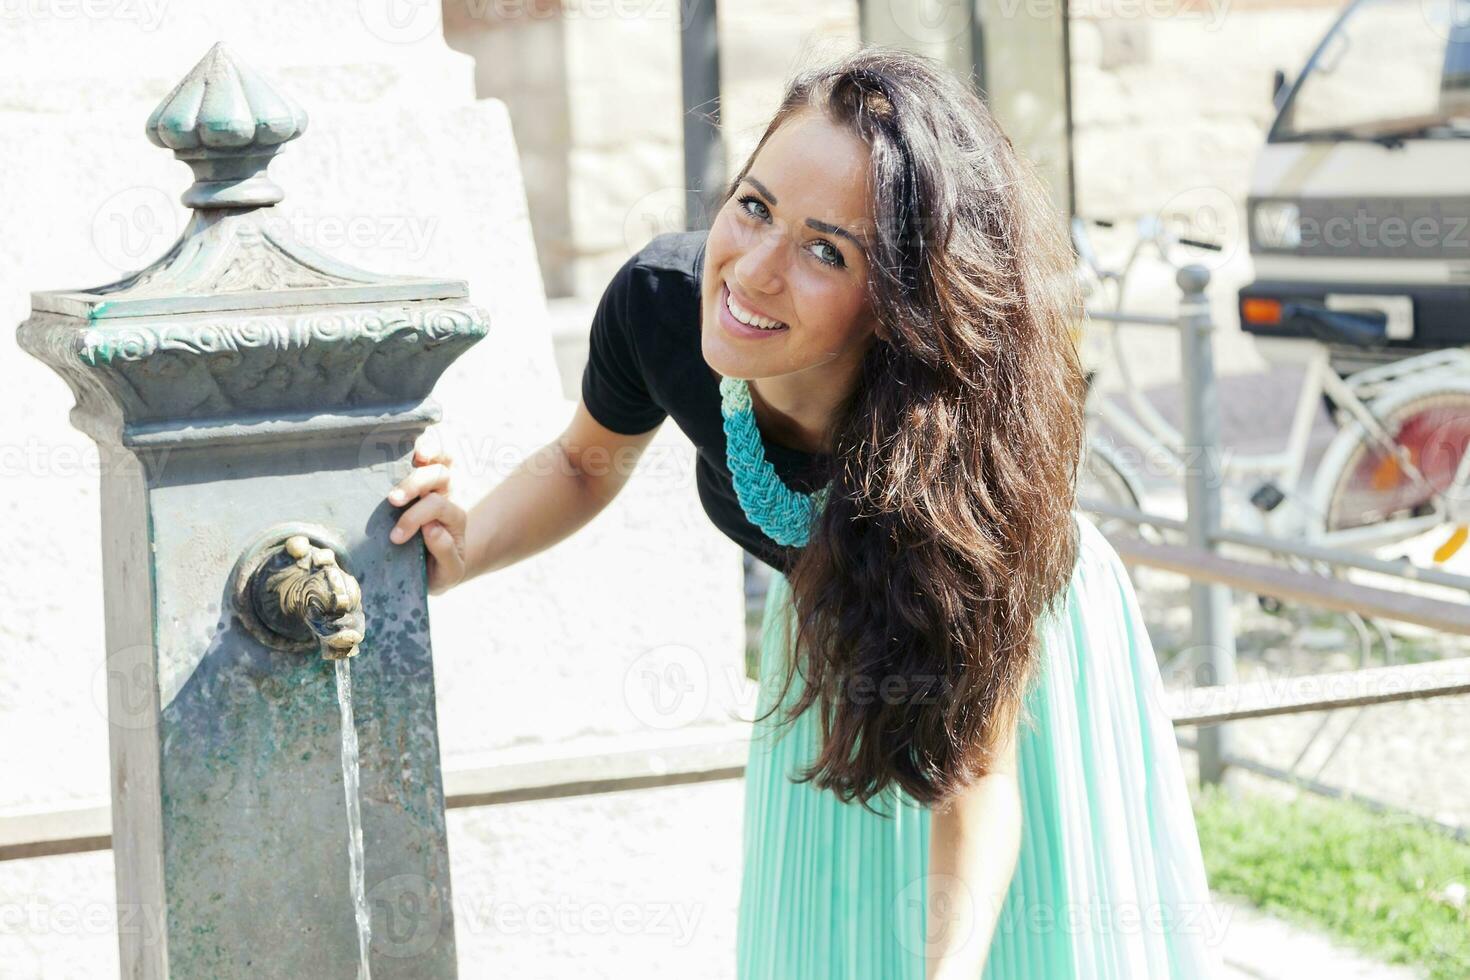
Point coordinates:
[[1262, 947]]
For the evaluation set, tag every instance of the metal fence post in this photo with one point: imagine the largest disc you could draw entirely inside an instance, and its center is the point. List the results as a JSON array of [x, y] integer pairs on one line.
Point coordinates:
[[1210, 628], [704, 148]]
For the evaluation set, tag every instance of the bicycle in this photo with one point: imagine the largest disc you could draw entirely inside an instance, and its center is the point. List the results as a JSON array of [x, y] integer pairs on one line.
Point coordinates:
[[1395, 473]]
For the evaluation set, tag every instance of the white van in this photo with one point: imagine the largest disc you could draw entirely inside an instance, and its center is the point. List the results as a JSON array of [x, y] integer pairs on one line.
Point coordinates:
[[1360, 199]]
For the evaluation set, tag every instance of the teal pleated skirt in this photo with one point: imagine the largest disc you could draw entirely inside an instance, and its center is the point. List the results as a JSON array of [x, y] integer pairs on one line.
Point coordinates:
[[1109, 883]]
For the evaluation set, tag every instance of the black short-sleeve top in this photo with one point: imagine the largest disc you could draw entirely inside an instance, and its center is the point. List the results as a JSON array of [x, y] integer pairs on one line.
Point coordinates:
[[645, 364]]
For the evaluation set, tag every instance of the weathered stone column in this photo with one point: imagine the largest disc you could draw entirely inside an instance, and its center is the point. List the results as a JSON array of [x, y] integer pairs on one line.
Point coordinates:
[[243, 390]]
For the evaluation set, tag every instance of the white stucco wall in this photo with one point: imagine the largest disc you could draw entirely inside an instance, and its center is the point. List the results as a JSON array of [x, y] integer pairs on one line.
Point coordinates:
[[610, 161], [400, 169]]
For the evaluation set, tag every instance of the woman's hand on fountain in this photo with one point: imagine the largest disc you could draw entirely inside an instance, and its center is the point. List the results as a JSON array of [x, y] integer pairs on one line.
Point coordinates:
[[439, 518]]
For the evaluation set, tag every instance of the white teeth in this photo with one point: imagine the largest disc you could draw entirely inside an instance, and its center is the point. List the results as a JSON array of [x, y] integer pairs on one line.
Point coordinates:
[[748, 318]]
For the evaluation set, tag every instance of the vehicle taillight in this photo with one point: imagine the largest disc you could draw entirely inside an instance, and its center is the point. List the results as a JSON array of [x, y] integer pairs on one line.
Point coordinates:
[[1261, 312]]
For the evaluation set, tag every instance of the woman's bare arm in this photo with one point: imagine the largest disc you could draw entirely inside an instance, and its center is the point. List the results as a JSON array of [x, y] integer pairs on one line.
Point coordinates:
[[973, 849], [551, 494]]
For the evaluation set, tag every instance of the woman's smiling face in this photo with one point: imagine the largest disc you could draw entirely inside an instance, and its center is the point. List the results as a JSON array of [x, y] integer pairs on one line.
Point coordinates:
[[789, 247]]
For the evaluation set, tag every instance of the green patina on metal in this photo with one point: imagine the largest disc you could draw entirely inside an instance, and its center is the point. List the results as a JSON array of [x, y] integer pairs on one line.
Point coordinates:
[[244, 385]]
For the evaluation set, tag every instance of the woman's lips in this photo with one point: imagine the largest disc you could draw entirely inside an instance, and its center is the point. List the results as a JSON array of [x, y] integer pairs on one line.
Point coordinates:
[[734, 326]]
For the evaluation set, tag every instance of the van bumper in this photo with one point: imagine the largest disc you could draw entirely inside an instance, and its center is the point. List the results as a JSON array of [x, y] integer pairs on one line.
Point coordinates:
[[1441, 313]]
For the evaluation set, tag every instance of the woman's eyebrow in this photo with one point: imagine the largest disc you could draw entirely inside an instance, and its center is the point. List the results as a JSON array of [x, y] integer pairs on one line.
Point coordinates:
[[835, 230], [821, 226], [762, 188]]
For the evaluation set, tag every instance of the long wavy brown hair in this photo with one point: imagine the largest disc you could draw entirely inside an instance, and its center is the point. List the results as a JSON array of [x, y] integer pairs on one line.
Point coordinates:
[[947, 532]]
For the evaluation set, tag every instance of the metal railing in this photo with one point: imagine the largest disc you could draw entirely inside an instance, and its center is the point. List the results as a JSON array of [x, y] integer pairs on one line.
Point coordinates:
[[681, 758], [1213, 576]]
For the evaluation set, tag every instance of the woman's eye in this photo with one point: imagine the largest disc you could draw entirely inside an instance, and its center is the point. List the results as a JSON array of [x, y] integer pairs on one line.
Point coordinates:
[[827, 253], [748, 202]]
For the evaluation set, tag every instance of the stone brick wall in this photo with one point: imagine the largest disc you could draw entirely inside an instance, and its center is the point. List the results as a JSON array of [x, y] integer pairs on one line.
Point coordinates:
[[592, 87], [1171, 100]]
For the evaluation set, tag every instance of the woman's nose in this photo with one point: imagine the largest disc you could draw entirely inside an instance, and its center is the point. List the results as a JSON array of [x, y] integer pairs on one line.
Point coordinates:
[[759, 269]]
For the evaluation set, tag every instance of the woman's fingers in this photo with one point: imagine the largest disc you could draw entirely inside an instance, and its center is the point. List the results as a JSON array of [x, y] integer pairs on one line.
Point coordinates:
[[424, 479], [430, 470], [440, 520], [442, 523], [447, 552], [429, 448], [434, 506]]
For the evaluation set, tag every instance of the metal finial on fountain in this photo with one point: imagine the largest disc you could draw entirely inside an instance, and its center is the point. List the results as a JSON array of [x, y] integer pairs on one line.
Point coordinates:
[[226, 122], [236, 253]]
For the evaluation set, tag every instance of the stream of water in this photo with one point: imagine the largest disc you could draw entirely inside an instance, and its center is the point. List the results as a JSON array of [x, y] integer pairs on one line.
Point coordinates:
[[354, 818]]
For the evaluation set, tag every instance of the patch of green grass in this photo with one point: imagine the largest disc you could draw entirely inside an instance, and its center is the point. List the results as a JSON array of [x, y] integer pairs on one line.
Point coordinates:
[[753, 642], [1374, 881]]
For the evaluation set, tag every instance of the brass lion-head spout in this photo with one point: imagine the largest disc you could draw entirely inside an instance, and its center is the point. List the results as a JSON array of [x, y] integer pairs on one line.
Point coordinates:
[[295, 596]]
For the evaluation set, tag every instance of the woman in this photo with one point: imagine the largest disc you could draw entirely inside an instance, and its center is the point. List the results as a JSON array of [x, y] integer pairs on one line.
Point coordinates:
[[961, 765]]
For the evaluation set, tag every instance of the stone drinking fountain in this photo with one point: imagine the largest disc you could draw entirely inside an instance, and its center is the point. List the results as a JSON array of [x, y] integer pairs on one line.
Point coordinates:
[[253, 401]]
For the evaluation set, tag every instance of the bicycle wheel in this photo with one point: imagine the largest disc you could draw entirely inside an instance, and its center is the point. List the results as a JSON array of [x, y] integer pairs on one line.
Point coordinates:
[[1104, 476], [1371, 486]]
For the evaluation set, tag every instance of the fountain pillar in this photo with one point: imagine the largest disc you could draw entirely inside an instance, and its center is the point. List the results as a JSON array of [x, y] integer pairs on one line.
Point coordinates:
[[253, 401]]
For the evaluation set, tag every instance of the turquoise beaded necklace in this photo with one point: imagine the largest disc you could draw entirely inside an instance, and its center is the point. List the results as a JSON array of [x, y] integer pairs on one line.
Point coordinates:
[[785, 515]]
